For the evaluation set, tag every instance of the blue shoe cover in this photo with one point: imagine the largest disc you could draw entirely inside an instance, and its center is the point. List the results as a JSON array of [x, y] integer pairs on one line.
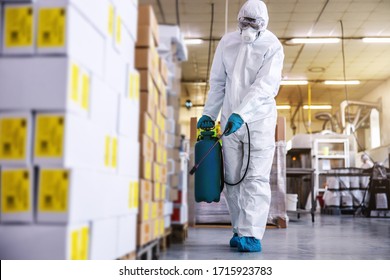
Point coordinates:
[[234, 240], [249, 244]]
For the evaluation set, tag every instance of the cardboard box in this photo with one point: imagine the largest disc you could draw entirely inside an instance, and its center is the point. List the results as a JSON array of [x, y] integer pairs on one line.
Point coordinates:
[[156, 229], [44, 242], [147, 17], [66, 84], [145, 37], [168, 208], [163, 71], [173, 113], [129, 118], [174, 167], [172, 141], [148, 147], [146, 126], [147, 104], [104, 106], [147, 59], [157, 191], [173, 153], [173, 193], [146, 191], [144, 235], [167, 221], [133, 84], [68, 141], [127, 152], [127, 230], [103, 240], [73, 35], [160, 209], [76, 195], [16, 130], [116, 71], [174, 101], [17, 195], [124, 43], [146, 168], [174, 180], [180, 214], [18, 29], [145, 211], [280, 131], [163, 191], [128, 12]]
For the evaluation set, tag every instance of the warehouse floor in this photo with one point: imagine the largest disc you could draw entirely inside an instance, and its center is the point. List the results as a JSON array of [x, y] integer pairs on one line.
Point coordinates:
[[329, 238]]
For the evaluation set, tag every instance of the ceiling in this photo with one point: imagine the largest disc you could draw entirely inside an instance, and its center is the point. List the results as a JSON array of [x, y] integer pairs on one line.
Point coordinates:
[[369, 63]]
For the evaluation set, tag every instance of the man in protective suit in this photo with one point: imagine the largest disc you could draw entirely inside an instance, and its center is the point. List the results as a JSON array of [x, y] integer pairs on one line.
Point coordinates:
[[244, 80]]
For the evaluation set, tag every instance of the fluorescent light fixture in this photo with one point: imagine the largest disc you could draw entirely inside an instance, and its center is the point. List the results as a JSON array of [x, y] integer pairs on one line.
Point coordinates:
[[317, 107], [314, 40], [283, 107], [193, 41], [292, 83], [376, 40], [355, 82]]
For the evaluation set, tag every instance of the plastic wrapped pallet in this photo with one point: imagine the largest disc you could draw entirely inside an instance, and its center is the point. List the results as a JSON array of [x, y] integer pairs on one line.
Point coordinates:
[[277, 210]]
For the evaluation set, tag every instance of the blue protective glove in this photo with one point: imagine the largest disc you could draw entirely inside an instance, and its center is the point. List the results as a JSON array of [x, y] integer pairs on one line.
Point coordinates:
[[205, 122], [235, 121]]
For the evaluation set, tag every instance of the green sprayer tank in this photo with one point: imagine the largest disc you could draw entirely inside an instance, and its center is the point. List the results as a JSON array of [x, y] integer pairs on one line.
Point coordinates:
[[209, 175]]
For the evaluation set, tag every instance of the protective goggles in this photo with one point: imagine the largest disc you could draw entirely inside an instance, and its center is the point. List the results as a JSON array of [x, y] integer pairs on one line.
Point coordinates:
[[244, 23]]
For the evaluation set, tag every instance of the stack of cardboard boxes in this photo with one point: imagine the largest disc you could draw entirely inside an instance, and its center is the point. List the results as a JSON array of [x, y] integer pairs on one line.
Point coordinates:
[[171, 50], [153, 154], [69, 118]]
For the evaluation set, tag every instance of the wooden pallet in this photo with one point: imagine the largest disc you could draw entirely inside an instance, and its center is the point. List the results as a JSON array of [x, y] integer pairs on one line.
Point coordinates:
[[129, 256], [179, 233], [165, 240], [149, 251]]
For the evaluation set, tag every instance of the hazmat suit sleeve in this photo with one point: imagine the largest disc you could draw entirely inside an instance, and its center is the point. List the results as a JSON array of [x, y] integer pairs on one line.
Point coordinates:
[[265, 86], [217, 84]]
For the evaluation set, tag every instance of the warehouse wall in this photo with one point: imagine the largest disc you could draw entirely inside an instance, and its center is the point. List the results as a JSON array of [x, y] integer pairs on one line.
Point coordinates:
[[382, 93]]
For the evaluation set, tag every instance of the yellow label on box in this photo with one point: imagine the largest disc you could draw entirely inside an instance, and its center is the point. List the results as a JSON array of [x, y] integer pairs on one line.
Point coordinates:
[[15, 191], [107, 151], [53, 190], [51, 27], [49, 136], [131, 86], [19, 27], [165, 157], [114, 155], [13, 138], [84, 243], [131, 193], [148, 170], [136, 194], [111, 16], [118, 29], [85, 91], [74, 83], [146, 210], [74, 241], [149, 127]]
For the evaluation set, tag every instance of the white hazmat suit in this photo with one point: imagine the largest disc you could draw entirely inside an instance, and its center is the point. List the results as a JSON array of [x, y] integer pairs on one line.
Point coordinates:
[[245, 79]]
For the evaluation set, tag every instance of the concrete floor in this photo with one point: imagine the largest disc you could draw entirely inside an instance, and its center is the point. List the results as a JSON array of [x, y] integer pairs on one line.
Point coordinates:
[[329, 238]]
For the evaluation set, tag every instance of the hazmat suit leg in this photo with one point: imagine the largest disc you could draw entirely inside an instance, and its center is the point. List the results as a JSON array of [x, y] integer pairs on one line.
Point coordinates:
[[249, 201]]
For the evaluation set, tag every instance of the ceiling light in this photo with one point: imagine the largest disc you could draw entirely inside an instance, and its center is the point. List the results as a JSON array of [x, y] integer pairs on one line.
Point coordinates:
[[283, 107], [314, 40], [342, 82], [193, 41], [291, 83], [317, 107], [376, 40]]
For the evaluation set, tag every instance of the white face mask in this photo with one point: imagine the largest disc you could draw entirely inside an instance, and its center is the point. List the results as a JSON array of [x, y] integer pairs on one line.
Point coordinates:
[[249, 35]]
